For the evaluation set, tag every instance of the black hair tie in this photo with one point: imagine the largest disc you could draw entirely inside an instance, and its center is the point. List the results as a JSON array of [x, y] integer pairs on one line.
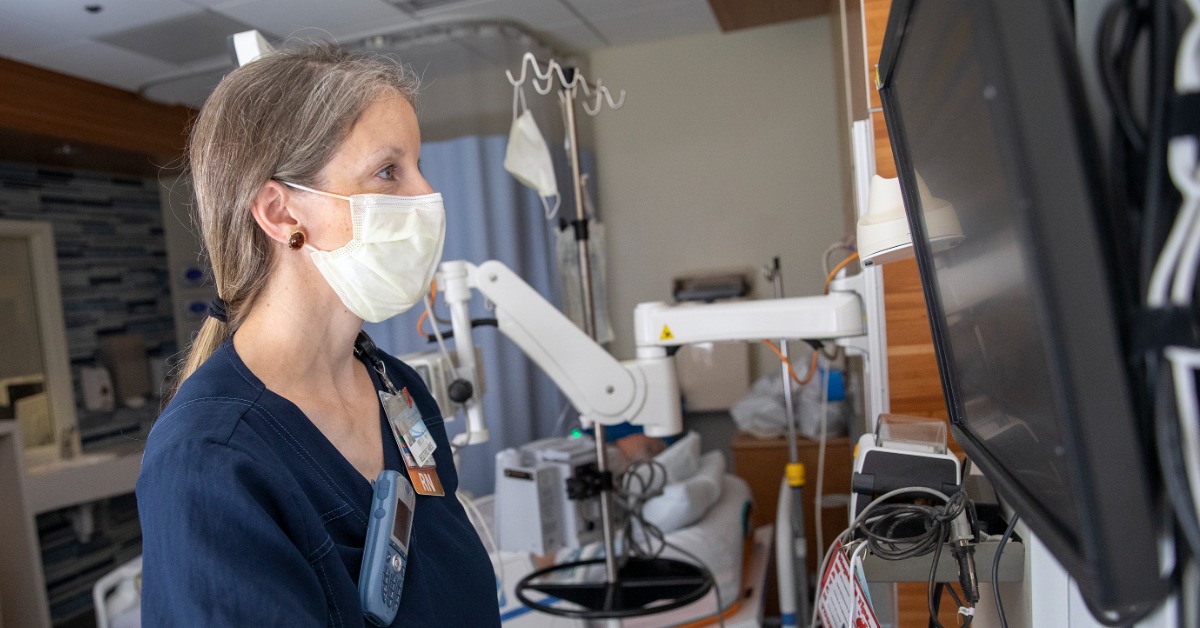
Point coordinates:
[[216, 309]]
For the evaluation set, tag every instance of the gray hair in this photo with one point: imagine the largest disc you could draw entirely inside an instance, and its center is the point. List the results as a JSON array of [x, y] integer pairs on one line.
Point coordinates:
[[281, 116]]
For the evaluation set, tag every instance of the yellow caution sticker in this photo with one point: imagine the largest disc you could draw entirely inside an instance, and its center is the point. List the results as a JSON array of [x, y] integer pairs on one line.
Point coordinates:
[[666, 334]]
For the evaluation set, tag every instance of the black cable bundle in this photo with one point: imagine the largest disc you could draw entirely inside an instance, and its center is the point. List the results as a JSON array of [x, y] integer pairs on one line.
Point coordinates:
[[881, 530], [642, 481], [933, 521]]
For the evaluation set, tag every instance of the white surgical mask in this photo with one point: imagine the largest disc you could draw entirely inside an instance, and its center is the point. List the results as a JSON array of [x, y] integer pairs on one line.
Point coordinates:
[[389, 262], [528, 158]]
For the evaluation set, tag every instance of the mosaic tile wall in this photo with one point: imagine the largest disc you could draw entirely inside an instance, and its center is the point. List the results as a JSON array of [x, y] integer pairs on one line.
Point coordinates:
[[112, 258], [112, 267], [112, 264]]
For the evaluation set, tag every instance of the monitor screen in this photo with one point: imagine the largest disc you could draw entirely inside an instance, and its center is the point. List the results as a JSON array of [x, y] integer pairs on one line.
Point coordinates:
[[986, 117]]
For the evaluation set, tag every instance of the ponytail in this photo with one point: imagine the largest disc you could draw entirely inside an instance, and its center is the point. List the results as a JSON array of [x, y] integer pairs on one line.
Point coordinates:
[[212, 333]]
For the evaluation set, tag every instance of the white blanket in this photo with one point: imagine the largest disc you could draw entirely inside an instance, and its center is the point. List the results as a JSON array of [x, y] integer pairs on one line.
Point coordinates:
[[716, 539], [685, 502]]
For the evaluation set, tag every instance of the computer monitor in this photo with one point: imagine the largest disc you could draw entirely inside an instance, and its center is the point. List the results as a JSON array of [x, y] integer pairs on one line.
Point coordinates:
[[986, 113]]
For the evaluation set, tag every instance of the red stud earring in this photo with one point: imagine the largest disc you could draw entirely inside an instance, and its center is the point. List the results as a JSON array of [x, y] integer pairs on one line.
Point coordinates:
[[296, 240]]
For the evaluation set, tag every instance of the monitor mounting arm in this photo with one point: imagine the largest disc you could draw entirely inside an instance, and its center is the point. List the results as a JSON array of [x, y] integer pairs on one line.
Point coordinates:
[[643, 391]]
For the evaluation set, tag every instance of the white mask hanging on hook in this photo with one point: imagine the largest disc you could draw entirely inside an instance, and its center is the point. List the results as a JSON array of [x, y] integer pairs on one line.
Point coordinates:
[[527, 158]]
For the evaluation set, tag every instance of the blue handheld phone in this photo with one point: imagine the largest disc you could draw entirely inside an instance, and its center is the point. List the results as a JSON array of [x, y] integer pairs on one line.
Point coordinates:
[[385, 554]]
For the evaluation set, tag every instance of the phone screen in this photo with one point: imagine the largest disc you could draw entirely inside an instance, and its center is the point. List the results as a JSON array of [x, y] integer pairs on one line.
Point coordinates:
[[402, 526]]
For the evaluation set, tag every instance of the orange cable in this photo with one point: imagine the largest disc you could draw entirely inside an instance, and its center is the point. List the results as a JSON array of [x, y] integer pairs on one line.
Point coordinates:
[[432, 299], [812, 367], [842, 264]]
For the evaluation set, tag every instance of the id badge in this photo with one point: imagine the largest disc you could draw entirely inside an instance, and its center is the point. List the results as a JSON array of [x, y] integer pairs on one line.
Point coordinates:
[[406, 419], [415, 442], [425, 480]]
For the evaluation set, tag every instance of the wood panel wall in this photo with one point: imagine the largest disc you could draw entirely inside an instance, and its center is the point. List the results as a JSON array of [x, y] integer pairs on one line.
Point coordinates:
[[915, 388], [41, 103], [912, 368]]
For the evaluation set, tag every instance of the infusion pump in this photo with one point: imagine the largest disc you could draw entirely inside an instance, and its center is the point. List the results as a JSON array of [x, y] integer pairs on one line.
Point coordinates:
[[539, 507]]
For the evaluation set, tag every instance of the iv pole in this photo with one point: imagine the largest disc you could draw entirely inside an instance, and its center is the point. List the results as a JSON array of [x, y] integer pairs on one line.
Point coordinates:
[[654, 585], [567, 100], [569, 80], [795, 470]]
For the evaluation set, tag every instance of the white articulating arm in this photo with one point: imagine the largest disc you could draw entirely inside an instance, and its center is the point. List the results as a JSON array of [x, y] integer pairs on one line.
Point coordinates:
[[457, 280], [835, 315], [642, 391]]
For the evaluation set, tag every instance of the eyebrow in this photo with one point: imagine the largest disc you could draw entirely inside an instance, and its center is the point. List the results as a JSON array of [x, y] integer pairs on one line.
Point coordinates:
[[385, 153]]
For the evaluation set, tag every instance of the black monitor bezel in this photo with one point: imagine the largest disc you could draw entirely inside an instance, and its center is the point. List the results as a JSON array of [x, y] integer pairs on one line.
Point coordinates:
[[1052, 135]]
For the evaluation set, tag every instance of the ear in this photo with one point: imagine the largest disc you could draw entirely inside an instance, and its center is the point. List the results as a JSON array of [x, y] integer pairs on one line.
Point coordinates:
[[271, 212]]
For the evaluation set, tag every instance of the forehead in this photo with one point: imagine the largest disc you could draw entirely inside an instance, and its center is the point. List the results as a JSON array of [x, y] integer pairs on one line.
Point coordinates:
[[389, 122]]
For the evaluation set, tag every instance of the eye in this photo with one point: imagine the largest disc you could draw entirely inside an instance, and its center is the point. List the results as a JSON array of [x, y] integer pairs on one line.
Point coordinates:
[[387, 173]]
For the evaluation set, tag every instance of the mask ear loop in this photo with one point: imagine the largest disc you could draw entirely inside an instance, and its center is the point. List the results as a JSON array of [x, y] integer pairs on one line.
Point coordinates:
[[518, 93], [551, 212]]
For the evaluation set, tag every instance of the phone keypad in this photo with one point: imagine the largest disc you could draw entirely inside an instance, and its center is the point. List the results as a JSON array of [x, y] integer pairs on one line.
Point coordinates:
[[393, 579]]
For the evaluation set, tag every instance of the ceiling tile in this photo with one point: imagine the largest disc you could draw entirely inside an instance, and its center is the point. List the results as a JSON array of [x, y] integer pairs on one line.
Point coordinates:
[[533, 13], [309, 19], [183, 39], [221, 4], [119, 15], [437, 52], [99, 62], [21, 36], [60, 34]]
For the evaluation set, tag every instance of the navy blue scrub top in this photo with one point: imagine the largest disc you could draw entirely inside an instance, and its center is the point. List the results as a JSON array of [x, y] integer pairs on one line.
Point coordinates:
[[251, 517]]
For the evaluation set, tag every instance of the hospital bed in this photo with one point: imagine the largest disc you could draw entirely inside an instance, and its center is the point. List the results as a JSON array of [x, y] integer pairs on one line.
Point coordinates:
[[737, 561]]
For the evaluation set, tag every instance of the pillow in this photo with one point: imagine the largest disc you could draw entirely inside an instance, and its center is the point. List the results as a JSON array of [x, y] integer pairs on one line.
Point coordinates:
[[684, 503], [681, 459]]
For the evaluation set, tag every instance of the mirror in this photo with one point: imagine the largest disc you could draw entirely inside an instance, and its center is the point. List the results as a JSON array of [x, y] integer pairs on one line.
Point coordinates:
[[35, 380]]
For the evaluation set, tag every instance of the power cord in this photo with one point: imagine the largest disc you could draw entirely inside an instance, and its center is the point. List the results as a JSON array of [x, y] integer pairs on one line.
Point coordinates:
[[936, 521], [967, 612], [867, 517], [937, 602], [1008, 532], [880, 530], [642, 481]]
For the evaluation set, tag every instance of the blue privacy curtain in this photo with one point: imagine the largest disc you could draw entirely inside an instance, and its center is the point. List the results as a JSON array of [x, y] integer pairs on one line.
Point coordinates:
[[489, 216]]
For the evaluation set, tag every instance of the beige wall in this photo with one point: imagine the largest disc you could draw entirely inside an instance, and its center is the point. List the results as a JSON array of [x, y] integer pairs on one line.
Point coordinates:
[[479, 102], [725, 154]]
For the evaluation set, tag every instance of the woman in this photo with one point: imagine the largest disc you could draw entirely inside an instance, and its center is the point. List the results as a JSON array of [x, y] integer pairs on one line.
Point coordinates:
[[256, 483]]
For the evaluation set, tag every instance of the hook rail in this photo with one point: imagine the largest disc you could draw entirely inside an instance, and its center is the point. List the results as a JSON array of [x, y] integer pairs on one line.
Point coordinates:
[[598, 95]]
